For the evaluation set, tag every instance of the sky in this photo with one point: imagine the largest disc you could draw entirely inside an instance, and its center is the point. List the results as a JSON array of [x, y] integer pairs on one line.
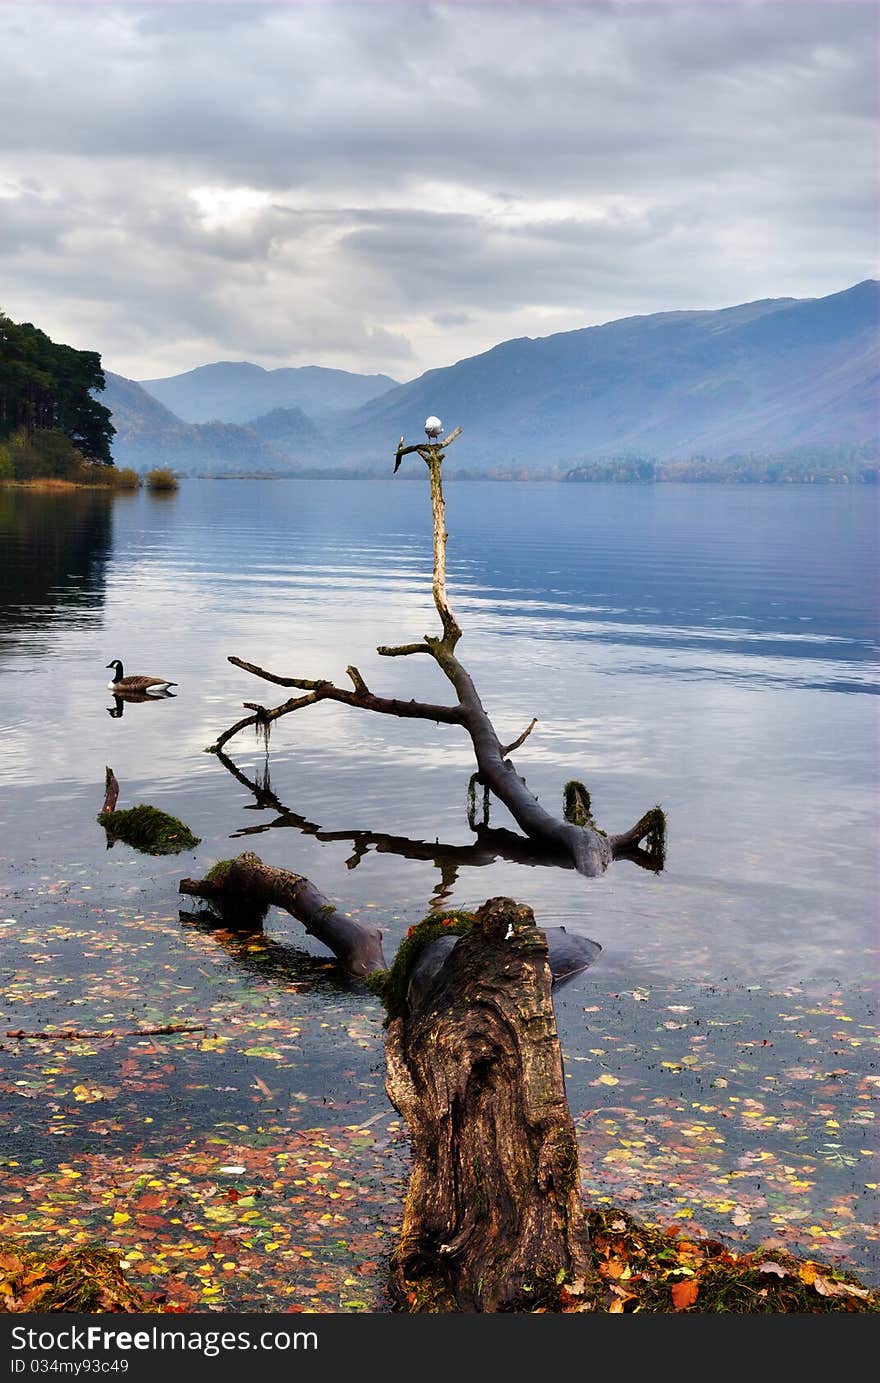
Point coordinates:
[[393, 186]]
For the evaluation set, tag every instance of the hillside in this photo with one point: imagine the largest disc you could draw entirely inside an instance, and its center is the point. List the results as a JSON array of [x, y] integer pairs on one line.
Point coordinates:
[[149, 435], [764, 377], [237, 391], [769, 378]]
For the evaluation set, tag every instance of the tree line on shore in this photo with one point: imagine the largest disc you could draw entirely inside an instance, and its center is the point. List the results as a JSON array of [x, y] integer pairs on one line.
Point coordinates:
[[856, 463], [51, 425]]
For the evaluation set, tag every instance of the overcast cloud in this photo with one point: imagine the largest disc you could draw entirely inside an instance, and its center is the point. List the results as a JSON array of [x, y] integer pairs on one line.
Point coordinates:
[[392, 186]]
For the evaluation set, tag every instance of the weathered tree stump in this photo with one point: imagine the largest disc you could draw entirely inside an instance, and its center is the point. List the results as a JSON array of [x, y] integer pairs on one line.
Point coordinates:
[[494, 1219]]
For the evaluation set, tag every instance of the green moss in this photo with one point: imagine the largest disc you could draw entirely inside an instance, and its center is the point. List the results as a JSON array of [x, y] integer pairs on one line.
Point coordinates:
[[726, 1280], [218, 872], [655, 838], [566, 1171], [577, 806], [391, 985], [240, 909], [149, 830]]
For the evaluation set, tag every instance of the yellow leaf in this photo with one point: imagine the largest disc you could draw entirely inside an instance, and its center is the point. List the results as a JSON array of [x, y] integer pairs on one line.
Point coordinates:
[[608, 1080], [120, 1217]]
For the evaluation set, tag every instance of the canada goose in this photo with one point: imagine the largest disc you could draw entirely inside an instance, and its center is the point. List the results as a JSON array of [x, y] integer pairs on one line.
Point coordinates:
[[151, 685]]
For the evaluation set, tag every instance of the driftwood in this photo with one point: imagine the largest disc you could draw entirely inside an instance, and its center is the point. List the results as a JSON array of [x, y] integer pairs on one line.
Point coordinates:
[[493, 1218], [111, 792], [74, 1034], [575, 836], [242, 889]]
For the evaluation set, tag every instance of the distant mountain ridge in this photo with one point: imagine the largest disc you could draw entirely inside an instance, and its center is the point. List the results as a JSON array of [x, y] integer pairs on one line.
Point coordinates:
[[765, 378], [149, 435], [237, 391]]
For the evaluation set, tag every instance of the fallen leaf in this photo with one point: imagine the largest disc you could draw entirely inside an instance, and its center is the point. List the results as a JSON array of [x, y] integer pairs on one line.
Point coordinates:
[[684, 1294], [825, 1288]]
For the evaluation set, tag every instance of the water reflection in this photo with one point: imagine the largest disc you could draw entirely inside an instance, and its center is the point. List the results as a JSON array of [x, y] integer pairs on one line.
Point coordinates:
[[121, 698], [491, 844], [275, 962], [54, 550]]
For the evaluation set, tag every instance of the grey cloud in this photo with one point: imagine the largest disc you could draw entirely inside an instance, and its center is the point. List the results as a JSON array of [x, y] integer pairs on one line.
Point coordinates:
[[561, 164]]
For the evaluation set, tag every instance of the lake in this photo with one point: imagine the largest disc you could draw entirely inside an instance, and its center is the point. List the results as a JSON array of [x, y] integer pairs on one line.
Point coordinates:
[[710, 648]]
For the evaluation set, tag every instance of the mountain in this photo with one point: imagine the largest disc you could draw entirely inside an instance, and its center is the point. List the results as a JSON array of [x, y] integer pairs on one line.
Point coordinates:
[[237, 391], [764, 377], [289, 428], [150, 435], [767, 377]]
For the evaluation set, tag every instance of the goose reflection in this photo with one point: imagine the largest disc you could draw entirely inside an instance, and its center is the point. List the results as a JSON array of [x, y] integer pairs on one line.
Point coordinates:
[[120, 698]]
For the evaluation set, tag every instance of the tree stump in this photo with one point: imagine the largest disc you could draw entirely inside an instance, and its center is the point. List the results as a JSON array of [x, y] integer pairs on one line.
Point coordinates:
[[494, 1219]]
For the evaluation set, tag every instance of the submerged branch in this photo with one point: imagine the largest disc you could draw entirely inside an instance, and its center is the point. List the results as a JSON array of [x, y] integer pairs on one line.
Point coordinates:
[[244, 888], [73, 1034]]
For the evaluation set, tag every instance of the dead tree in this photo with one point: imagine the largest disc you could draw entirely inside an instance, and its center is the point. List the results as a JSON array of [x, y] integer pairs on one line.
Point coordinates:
[[494, 1218], [575, 834]]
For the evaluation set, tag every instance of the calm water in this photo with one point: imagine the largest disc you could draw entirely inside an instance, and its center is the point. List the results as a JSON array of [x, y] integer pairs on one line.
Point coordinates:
[[712, 649]]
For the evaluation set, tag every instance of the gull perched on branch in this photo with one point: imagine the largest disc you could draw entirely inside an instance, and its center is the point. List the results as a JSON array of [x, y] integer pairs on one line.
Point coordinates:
[[433, 429]]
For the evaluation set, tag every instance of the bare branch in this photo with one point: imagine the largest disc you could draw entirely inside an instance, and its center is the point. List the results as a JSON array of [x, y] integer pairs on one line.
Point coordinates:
[[521, 739], [425, 450], [305, 683], [402, 650], [261, 717], [403, 451], [363, 699], [451, 630], [650, 828], [357, 681], [74, 1034]]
